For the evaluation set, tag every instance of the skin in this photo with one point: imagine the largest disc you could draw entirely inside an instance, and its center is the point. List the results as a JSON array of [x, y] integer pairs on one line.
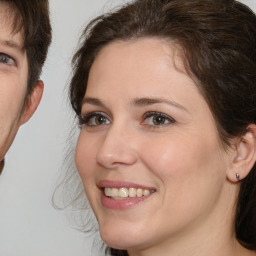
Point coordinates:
[[191, 211], [15, 108]]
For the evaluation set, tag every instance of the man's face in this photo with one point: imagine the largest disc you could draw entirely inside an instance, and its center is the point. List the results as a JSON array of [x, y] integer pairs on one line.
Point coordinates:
[[13, 81]]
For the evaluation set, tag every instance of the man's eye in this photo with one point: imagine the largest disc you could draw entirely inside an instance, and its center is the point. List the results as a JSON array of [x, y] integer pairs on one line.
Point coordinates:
[[6, 59], [94, 119]]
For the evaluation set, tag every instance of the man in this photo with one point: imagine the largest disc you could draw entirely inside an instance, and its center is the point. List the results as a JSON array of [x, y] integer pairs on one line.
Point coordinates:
[[25, 35]]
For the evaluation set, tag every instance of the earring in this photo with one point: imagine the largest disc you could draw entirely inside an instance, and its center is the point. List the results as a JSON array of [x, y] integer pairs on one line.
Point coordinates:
[[238, 176]]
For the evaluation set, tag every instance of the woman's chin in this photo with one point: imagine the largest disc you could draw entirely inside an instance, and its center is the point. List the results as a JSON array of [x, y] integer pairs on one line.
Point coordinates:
[[119, 239]]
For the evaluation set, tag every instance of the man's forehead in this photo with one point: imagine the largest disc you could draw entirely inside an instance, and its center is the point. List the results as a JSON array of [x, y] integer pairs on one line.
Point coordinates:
[[11, 25]]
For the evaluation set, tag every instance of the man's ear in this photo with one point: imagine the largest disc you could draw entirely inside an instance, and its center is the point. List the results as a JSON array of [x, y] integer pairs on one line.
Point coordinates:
[[244, 156], [33, 101]]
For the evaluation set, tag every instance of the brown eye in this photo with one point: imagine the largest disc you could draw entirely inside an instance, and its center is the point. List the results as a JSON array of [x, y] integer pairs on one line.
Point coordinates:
[[94, 119], [100, 120], [159, 120]]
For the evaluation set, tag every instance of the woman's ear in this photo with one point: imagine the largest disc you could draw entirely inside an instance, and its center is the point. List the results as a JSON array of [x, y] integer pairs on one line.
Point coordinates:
[[244, 156], [33, 102]]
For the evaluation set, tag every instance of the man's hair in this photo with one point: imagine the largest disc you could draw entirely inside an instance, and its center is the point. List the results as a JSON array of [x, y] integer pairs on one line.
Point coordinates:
[[31, 18]]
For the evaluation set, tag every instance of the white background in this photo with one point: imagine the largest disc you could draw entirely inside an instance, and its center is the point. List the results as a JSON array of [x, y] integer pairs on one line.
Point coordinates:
[[29, 225]]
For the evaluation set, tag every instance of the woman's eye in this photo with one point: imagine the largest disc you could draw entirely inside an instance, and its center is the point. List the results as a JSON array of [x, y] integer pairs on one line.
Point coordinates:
[[98, 120], [94, 119], [6, 59], [157, 119]]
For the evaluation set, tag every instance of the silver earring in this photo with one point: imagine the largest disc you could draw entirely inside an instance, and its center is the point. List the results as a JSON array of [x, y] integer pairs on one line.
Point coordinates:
[[238, 176]]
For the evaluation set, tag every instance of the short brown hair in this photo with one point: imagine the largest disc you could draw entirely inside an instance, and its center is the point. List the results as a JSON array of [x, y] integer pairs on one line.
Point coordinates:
[[218, 42], [32, 19]]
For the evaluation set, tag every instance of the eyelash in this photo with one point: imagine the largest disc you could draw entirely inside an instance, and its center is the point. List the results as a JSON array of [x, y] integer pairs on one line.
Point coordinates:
[[155, 114], [90, 118], [87, 118], [5, 59]]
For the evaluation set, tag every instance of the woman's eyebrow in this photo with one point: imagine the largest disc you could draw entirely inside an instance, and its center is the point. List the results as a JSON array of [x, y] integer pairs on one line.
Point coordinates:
[[139, 102], [93, 101], [142, 102]]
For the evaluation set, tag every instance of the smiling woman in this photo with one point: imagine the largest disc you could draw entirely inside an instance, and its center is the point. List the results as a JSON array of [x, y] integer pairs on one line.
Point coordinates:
[[165, 94]]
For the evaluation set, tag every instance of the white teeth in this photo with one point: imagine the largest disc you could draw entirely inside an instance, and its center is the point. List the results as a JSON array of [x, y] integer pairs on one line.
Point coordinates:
[[108, 191], [146, 192], [132, 192], [139, 192], [125, 192], [114, 192]]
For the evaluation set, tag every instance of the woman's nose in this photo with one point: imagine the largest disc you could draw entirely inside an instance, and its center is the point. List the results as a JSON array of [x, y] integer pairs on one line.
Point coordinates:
[[116, 149]]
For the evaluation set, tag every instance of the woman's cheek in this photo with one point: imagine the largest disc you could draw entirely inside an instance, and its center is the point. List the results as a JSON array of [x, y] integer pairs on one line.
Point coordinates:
[[84, 156]]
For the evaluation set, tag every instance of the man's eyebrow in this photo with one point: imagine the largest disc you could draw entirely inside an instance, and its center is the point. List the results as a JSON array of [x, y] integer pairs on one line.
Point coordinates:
[[11, 44], [142, 102]]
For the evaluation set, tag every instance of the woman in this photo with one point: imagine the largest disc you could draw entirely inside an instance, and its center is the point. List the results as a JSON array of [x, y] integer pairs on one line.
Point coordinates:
[[165, 91]]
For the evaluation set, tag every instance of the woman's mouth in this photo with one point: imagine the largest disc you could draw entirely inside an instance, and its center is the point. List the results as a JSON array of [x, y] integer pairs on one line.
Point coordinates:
[[124, 193], [118, 195]]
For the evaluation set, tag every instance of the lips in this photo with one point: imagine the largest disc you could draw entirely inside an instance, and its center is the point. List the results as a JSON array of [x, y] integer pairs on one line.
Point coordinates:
[[123, 195]]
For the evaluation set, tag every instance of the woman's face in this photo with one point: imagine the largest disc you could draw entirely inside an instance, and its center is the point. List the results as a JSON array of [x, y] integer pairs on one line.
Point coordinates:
[[148, 152]]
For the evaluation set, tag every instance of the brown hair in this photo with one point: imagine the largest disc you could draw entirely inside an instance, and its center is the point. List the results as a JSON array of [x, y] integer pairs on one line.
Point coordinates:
[[32, 19], [218, 39]]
